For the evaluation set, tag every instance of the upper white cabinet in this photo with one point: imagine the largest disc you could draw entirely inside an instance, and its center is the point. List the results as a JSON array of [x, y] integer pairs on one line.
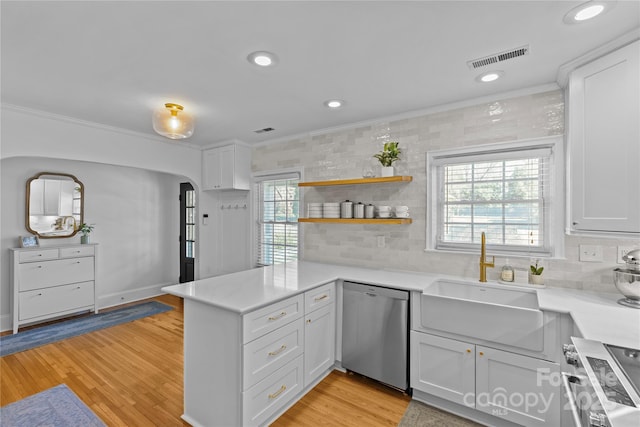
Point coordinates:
[[604, 143], [226, 168]]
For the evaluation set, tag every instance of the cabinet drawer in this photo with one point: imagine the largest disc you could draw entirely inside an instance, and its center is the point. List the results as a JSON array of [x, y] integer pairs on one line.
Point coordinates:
[[37, 275], [77, 251], [319, 297], [270, 318], [42, 302], [268, 396], [39, 255], [270, 352]]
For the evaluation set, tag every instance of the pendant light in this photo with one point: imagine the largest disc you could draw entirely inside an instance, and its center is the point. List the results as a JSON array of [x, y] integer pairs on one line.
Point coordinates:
[[172, 122]]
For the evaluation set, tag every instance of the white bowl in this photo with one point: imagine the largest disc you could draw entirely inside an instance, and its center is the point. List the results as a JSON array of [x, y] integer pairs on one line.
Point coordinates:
[[383, 208], [384, 215]]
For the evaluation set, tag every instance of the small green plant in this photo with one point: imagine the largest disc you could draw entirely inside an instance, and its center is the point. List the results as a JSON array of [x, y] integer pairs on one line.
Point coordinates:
[[85, 229], [389, 154], [535, 270]]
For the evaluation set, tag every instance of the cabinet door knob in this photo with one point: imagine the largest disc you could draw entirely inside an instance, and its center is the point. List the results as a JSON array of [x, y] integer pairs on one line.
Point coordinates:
[[575, 223], [481, 353], [468, 350]]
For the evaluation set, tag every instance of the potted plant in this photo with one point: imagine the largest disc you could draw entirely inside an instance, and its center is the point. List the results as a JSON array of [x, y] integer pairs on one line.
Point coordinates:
[[535, 274], [389, 154], [85, 229]]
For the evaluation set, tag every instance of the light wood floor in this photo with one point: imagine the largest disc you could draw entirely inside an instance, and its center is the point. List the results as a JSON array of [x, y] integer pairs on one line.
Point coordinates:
[[131, 375]]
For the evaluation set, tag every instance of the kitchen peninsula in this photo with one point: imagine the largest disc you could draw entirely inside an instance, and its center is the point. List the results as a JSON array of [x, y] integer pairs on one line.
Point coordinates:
[[230, 320]]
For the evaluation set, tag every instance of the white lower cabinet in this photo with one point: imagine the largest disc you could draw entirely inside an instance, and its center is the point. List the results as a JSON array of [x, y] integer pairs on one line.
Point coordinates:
[[320, 342], [516, 388], [247, 369]]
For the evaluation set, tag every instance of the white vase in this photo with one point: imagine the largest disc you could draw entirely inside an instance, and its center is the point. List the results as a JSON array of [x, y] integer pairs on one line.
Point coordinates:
[[536, 279], [386, 171]]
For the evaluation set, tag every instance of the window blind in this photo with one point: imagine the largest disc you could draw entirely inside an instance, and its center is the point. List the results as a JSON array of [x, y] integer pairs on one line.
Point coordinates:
[[278, 205], [506, 194]]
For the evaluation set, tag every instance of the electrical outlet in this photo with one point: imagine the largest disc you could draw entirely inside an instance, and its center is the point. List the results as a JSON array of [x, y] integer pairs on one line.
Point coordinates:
[[622, 251], [381, 241], [590, 253]]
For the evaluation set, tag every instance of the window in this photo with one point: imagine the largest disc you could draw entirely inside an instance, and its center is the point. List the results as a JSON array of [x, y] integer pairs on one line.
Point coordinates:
[[278, 205], [506, 190]]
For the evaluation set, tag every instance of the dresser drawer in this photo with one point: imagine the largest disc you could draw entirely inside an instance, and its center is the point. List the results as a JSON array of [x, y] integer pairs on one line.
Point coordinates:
[[268, 396], [38, 255], [319, 297], [43, 302], [270, 352], [77, 251], [270, 318], [37, 275]]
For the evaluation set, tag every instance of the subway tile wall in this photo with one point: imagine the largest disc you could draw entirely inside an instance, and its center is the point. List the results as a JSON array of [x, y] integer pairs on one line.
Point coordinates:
[[347, 153]]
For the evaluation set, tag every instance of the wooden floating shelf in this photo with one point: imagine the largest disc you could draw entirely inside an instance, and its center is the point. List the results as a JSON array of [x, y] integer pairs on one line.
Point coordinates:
[[358, 220], [356, 181]]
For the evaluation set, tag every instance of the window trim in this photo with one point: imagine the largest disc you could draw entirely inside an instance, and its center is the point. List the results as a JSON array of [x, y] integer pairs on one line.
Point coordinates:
[[555, 221], [269, 175]]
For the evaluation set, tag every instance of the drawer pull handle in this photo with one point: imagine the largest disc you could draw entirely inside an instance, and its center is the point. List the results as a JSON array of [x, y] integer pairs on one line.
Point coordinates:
[[278, 393], [278, 351], [321, 298], [39, 266], [279, 316], [40, 295]]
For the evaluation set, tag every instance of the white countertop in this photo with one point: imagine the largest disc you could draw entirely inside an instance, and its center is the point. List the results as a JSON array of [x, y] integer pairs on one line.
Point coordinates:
[[598, 316]]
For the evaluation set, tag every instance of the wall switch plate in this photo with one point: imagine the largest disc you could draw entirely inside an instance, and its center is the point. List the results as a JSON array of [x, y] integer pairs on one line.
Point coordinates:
[[590, 253], [381, 241], [622, 251]]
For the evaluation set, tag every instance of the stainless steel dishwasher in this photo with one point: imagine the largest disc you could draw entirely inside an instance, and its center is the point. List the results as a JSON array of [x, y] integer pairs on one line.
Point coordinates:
[[374, 332]]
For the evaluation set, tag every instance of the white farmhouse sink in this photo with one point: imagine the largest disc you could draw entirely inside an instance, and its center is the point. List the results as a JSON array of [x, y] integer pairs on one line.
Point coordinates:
[[489, 312]]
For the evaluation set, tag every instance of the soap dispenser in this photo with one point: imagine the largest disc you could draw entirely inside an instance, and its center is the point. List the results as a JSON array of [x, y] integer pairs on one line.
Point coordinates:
[[507, 274]]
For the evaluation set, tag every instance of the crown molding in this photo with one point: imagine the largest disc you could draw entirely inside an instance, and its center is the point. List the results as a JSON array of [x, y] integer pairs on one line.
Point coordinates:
[[565, 69], [416, 113], [79, 122]]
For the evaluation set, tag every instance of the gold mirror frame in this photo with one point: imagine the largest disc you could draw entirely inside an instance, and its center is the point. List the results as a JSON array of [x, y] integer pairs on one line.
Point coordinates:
[[61, 227]]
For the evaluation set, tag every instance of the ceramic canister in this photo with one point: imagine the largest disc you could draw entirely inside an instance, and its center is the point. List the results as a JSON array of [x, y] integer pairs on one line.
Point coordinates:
[[346, 209], [369, 211], [358, 210]]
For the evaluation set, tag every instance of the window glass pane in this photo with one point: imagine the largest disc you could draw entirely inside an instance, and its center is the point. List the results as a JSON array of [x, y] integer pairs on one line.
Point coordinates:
[[503, 198], [268, 191], [268, 211]]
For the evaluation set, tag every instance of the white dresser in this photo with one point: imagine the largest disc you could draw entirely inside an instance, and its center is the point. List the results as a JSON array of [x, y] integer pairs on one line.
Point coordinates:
[[52, 281]]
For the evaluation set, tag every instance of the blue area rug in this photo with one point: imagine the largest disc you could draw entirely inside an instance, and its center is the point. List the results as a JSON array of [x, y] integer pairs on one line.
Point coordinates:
[[36, 337], [55, 407]]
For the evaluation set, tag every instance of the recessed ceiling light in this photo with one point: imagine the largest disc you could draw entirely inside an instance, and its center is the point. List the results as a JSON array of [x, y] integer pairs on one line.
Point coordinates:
[[586, 11], [262, 58], [334, 104], [489, 76]]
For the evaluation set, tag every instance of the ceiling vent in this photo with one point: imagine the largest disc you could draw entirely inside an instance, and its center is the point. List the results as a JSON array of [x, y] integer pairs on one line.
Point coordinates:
[[264, 130], [498, 57]]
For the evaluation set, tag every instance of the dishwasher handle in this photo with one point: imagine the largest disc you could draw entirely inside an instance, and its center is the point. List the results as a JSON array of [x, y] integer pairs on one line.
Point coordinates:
[[375, 291]]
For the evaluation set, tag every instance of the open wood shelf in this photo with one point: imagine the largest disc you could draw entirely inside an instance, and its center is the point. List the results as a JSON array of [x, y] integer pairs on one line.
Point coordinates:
[[358, 220], [356, 181]]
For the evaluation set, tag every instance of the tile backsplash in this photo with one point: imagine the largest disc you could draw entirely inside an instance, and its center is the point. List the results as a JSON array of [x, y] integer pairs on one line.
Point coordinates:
[[347, 153]]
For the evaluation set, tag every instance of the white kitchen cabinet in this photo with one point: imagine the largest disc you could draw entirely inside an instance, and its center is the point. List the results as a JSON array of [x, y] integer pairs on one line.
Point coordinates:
[[246, 369], [517, 388], [320, 343], [52, 282], [604, 144], [226, 168], [443, 367], [509, 386]]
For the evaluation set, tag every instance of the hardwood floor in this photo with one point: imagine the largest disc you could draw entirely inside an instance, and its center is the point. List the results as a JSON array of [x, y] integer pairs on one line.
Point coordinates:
[[131, 375]]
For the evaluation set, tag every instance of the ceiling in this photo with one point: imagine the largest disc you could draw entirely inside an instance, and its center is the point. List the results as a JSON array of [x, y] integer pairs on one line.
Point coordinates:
[[113, 62]]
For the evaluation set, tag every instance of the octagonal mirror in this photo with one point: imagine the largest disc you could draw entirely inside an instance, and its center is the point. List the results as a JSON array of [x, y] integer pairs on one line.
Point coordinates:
[[55, 205]]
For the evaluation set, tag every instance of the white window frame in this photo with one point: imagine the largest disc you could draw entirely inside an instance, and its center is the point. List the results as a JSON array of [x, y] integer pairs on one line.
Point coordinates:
[[554, 229], [268, 176]]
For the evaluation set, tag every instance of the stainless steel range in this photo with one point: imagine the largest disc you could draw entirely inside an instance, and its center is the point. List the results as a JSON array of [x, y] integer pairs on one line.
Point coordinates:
[[604, 387]]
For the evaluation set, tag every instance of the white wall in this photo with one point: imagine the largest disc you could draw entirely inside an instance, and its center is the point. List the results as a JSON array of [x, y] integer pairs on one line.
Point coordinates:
[[107, 161], [136, 213], [342, 154]]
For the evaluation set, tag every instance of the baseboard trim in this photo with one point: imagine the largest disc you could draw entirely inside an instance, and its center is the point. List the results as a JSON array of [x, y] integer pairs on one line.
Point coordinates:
[[106, 301], [133, 295]]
